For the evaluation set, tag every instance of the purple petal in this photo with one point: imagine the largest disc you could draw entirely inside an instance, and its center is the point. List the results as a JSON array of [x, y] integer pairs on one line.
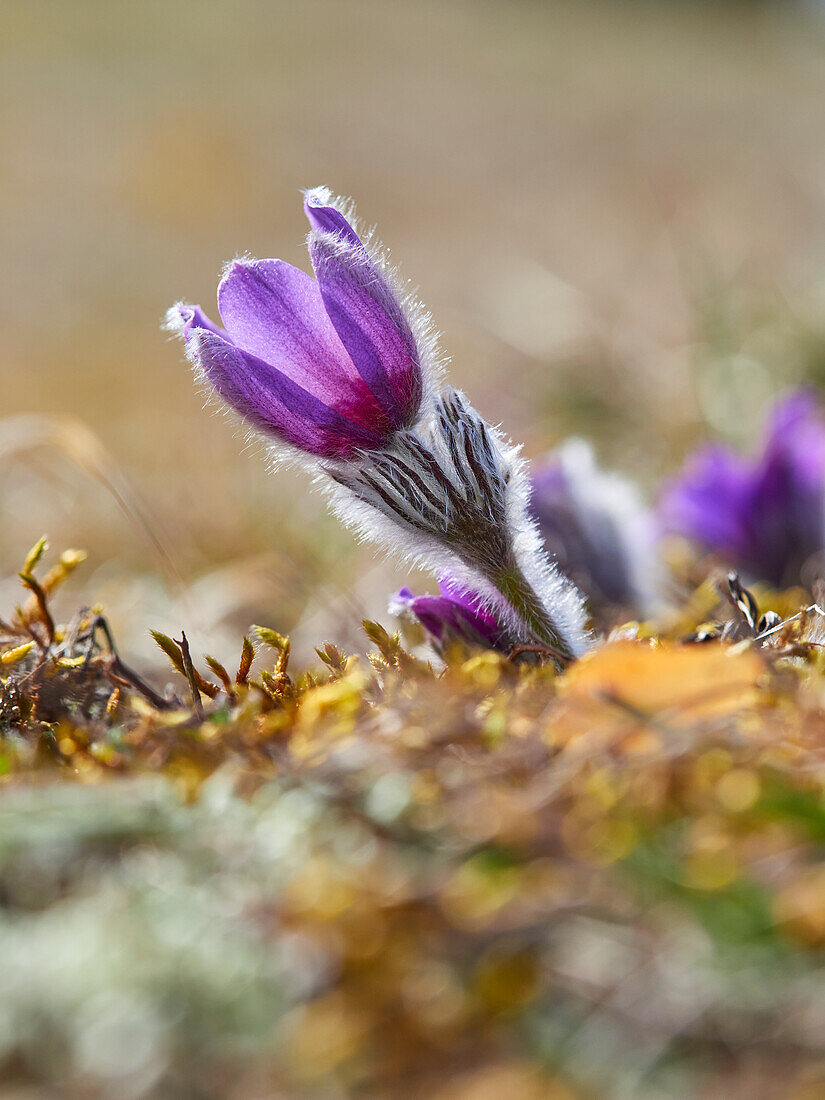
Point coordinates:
[[547, 482], [371, 323], [767, 514], [274, 403], [326, 218], [184, 318], [274, 312], [791, 411], [469, 603], [709, 502], [788, 496], [796, 436], [456, 611]]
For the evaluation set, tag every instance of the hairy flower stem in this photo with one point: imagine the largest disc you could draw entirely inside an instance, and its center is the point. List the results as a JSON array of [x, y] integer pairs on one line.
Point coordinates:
[[458, 491], [519, 593]]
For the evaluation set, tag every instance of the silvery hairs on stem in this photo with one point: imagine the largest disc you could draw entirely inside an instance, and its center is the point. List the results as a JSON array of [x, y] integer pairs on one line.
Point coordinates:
[[452, 494]]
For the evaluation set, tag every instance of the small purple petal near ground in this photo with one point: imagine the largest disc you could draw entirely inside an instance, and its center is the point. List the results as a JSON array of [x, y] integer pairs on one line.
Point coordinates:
[[455, 612]]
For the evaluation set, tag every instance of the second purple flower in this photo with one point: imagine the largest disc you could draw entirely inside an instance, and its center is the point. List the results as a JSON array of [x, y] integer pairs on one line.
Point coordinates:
[[766, 514]]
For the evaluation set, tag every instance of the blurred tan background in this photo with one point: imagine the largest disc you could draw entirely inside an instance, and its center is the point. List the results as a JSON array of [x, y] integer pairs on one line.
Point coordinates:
[[615, 210]]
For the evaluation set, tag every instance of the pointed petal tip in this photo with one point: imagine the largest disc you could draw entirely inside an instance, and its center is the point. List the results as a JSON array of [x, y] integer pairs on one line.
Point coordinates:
[[177, 317], [186, 321], [316, 201], [324, 216], [402, 601], [317, 196]]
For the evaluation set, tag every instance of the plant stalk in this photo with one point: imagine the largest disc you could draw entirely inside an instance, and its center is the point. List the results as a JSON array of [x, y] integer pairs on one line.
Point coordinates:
[[521, 596]]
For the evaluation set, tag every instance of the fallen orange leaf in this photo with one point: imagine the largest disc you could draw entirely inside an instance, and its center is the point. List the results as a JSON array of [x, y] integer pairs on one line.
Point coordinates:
[[694, 681]]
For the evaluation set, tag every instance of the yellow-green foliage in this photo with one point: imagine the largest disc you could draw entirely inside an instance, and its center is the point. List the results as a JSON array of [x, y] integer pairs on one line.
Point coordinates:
[[392, 878]]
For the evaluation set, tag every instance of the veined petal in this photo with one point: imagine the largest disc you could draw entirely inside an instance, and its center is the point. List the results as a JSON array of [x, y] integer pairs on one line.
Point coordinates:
[[274, 312], [370, 322], [273, 402]]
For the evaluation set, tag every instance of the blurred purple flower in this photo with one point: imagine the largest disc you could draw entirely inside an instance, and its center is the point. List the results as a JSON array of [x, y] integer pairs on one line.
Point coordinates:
[[330, 365], [597, 527], [455, 612], [766, 514]]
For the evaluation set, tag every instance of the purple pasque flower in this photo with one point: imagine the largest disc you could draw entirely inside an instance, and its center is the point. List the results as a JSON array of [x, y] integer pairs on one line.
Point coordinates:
[[331, 366], [597, 527], [765, 514], [343, 369], [457, 613]]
